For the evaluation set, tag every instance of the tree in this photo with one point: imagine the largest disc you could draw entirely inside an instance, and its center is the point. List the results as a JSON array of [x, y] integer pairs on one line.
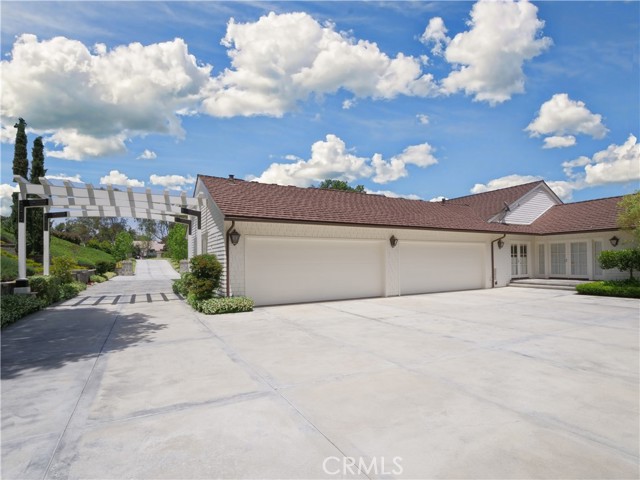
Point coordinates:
[[176, 243], [329, 184], [20, 166], [629, 215], [624, 260], [123, 246], [35, 216], [154, 229]]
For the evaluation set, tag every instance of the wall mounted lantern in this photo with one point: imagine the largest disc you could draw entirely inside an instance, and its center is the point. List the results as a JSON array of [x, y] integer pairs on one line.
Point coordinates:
[[500, 244], [234, 236], [393, 241], [614, 241]]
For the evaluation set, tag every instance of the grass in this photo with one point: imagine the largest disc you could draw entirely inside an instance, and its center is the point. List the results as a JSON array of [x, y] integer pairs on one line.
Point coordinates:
[[612, 288], [83, 256]]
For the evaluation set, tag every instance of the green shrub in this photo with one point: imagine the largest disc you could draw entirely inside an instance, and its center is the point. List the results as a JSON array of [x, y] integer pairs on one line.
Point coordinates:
[[14, 307], [97, 279], [47, 288], [181, 285], [109, 275], [70, 290], [219, 305], [204, 280], [61, 268], [624, 288], [104, 266]]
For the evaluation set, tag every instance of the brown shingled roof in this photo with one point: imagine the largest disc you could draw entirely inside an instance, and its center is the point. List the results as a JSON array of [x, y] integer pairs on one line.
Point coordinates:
[[243, 200], [590, 215], [488, 204]]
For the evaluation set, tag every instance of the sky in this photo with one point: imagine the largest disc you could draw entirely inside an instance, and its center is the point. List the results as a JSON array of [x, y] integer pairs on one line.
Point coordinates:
[[418, 99]]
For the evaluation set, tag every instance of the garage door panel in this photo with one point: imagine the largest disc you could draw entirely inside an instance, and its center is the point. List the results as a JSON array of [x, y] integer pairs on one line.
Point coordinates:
[[291, 270], [437, 267]]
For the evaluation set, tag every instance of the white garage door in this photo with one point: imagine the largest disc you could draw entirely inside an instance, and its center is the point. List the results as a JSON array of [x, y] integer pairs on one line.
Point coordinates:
[[439, 267], [290, 270]]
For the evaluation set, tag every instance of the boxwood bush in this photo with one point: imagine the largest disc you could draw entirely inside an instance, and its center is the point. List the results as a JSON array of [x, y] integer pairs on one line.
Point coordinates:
[[204, 276], [97, 279], [14, 307], [109, 275], [612, 288], [218, 305]]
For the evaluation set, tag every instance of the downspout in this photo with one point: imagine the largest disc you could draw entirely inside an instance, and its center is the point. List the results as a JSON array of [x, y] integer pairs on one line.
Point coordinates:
[[493, 268], [226, 251]]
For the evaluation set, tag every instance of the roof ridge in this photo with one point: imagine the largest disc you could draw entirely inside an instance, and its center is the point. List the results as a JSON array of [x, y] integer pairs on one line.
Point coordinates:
[[497, 190], [592, 200]]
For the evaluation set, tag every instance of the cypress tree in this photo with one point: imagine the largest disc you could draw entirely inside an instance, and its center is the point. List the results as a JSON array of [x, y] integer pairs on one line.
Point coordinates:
[[35, 216], [20, 161], [20, 166]]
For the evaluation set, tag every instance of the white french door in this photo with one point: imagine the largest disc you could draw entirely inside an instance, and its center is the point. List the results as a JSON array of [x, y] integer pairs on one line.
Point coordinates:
[[519, 260], [569, 259]]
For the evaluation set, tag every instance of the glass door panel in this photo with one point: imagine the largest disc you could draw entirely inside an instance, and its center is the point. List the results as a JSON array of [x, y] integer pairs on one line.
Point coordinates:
[[579, 259], [558, 259]]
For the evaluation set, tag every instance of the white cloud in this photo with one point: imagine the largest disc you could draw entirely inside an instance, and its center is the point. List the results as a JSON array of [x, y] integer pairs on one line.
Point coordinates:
[[436, 33], [438, 198], [349, 103], [616, 164], [92, 100], [488, 58], [562, 116], [568, 167], [330, 158], [147, 155], [283, 58], [7, 134], [503, 182], [559, 141], [172, 182], [117, 178], [63, 176], [419, 155], [423, 119], [390, 194], [6, 200], [563, 188]]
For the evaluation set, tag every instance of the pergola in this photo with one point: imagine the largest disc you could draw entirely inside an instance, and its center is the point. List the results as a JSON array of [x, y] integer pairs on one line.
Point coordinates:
[[73, 200]]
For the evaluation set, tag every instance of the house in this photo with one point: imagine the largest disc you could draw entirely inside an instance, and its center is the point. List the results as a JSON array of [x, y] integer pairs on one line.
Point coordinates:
[[284, 244]]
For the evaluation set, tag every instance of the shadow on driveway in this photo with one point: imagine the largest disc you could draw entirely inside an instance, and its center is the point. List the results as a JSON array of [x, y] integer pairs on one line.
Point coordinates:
[[54, 337]]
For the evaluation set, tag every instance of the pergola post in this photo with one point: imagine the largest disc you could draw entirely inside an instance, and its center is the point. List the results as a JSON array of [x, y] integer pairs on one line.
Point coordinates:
[[22, 284], [46, 255]]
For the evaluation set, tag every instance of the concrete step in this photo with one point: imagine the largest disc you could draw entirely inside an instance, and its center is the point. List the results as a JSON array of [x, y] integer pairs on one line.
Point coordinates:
[[552, 283]]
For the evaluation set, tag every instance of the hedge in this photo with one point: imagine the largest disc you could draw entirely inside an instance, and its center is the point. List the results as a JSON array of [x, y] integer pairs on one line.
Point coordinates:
[[219, 305], [97, 279], [14, 307], [623, 288], [70, 290], [109, 275]]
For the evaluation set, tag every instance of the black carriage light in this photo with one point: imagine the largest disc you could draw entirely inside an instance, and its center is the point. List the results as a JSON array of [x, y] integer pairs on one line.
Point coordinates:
[[234, 236], [614, 241], [393, 241], [500, 244]]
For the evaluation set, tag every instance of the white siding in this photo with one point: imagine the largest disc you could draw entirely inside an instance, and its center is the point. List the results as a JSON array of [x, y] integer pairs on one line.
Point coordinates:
[[530, 207]]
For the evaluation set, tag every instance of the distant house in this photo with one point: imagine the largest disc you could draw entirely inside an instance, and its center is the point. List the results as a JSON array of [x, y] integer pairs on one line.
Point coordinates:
[[149, 248], [300, 244]]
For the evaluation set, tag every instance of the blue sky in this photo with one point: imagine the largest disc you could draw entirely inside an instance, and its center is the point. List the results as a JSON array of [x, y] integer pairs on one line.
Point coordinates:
[[419, 99]]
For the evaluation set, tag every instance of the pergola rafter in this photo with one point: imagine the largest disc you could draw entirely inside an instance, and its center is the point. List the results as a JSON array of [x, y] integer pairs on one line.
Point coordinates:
[[72, 200]]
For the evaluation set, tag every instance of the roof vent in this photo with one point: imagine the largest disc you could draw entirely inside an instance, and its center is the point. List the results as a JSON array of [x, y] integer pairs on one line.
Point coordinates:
[[231, 176], [444, 200]]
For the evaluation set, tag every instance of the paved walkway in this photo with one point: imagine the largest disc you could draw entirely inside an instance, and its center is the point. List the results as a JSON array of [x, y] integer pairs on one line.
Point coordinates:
[[503, 383], [151, 283]]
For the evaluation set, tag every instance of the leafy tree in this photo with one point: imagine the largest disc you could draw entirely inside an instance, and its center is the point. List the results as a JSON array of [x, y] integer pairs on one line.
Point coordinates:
[[626, 260], [629, 215], [176, 243], [123, 246], [329, 184], [154, 229], [35, 216], [20, 166]]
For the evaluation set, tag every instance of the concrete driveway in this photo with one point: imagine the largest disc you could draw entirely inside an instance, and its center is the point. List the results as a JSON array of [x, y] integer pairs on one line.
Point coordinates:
[[504, 383]]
